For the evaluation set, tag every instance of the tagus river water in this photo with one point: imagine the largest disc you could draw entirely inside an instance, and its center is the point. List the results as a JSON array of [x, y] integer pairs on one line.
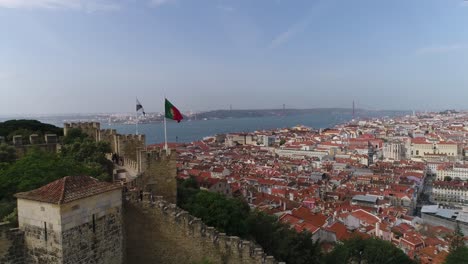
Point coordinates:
[[188, 131]]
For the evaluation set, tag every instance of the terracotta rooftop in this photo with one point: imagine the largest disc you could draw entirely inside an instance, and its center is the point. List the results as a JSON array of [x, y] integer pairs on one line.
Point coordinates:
[[67, 189]]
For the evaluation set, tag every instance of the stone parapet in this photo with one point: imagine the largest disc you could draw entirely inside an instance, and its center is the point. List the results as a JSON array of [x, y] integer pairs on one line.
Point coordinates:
[[210, 243]]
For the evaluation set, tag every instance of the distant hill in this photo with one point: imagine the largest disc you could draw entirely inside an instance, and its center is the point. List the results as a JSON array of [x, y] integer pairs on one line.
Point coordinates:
[[26, 127], [221, 114]]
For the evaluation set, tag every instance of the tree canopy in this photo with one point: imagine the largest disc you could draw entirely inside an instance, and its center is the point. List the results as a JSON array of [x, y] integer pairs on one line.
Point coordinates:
[[456, 238], [459, 255], [7, 154], [26, 127], [371, 251], [234, 217], [79, 155]]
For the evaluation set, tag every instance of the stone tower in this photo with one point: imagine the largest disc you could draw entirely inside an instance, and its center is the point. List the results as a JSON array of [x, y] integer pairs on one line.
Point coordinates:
[[76, 219]]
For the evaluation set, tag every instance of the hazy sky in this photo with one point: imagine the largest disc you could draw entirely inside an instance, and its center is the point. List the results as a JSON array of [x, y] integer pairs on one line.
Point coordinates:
[[86, 56]]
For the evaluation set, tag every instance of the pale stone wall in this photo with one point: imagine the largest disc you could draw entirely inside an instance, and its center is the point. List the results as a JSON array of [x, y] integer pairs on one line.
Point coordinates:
[[164, 234], [160, 173], [81, 211], [33, 213], [88, 230], [99, 241]]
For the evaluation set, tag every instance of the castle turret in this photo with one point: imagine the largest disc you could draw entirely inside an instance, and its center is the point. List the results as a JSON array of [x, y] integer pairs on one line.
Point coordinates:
[[76, 219]]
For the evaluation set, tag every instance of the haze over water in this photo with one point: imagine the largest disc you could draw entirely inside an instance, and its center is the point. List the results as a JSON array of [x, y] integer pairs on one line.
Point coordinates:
[[188, 131]]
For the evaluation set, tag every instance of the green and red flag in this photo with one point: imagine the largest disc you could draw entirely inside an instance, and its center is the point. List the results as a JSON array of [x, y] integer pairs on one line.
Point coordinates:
[[172, 112]]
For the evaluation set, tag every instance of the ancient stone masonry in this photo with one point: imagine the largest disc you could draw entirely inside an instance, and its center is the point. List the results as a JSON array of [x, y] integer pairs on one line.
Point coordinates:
[[87, 244], [124, 145], [11, 245], [160, 232], [159, 173], [73, 220], [41, 246], [48, 143], [92, 129]]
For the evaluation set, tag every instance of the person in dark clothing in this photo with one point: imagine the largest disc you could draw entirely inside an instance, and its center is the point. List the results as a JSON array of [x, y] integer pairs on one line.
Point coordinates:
[[141, 196]]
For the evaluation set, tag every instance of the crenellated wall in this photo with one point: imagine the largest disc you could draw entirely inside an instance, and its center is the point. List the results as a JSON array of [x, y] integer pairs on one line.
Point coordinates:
[[160, 232], [92, 129], [159, 173], [124, 145], [128, 145]]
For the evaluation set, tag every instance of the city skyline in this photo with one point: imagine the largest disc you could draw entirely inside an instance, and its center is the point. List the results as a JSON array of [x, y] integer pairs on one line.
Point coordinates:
[[96, 56]]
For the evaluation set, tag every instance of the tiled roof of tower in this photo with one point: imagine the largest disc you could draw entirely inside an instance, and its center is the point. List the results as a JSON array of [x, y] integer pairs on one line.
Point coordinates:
[[67, 189]]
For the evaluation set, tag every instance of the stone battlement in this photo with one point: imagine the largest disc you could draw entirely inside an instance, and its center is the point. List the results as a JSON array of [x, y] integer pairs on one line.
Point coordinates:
[[83, 125], [122, 144], [208, 242]]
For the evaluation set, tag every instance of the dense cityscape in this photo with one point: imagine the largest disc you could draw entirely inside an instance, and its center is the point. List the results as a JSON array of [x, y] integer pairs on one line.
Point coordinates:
[[233, 132], [403, 179]]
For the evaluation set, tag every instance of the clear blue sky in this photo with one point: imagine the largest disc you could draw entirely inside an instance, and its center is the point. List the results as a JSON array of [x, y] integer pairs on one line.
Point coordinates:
[[82, 56]]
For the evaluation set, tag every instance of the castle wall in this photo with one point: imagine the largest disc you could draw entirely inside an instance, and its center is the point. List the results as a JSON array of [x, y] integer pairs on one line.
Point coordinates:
[[40, 224], [109, 136], [159, 176], [128, 145], [35, 213], [92, 129], [162, 233], [11, 245], [98, 242], [80, 212], [41, 245], [87, 230], [124, 145]]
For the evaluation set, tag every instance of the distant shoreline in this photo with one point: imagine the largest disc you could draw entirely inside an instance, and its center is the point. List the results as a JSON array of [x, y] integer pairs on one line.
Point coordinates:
[[154, 118]]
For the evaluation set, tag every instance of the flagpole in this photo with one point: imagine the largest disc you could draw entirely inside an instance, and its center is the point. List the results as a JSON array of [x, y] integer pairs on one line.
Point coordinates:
[[165, 134], [165, 127], [136, 124], [136, 116]]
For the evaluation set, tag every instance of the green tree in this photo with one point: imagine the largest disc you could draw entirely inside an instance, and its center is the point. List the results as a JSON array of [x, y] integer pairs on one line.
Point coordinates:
[[12, 217], [456, 238], [27, 127], [225, 214], [73, 135], [370, 251], [234, 217], [186, 190], [7, 154], [36, 169], [447, 178], [459, 255], [91, 154]]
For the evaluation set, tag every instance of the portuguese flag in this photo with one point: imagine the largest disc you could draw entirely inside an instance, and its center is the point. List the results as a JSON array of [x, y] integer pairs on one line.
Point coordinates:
[[172, 112]]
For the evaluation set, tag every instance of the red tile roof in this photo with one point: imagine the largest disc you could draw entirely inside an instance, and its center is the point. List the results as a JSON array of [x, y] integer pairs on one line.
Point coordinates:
[[304, 213], [67, 189], [340, 231], [365, 216]]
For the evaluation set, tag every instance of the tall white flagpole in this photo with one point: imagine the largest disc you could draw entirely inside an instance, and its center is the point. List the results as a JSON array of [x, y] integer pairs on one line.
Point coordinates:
[[165, 127], [165, 134], [136, 116]]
